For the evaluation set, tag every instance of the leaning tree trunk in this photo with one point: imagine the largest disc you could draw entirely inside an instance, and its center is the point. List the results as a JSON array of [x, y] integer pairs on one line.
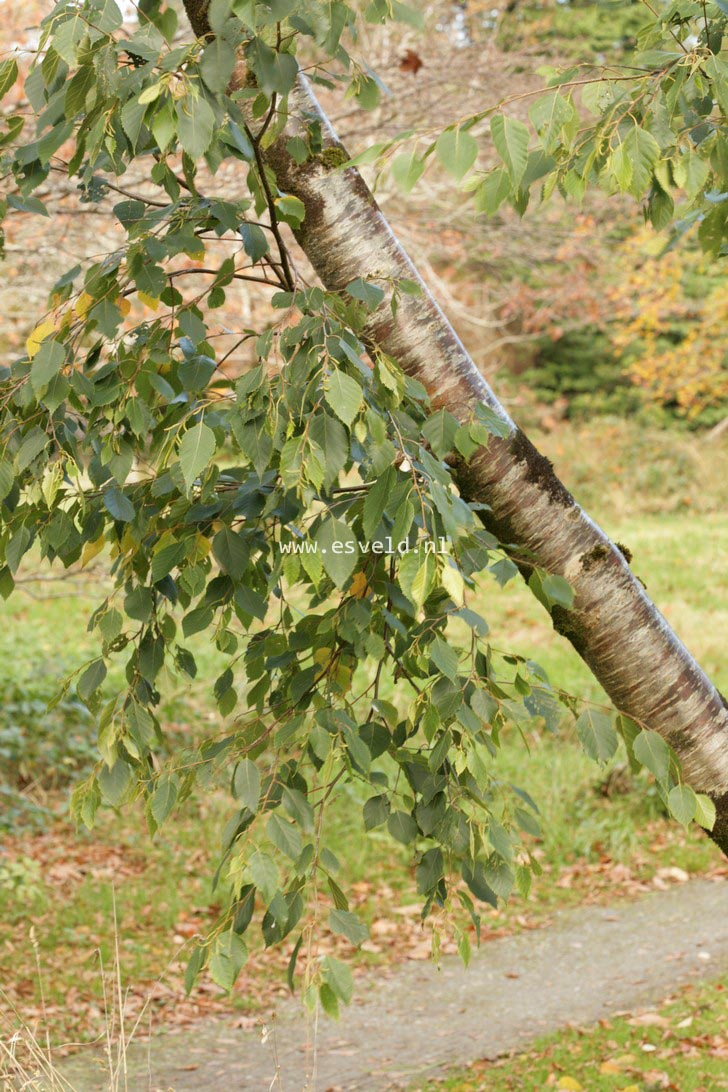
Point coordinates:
[[644, 668]]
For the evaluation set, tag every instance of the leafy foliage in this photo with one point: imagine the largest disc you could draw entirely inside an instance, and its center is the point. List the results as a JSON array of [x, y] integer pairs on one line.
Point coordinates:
[[668, 314], [650, 123], [301, 515], [624, 327]]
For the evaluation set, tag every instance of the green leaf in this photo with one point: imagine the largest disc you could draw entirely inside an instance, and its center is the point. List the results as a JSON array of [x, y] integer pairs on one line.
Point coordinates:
[[68, 36], [344, 395], [406, 170], [511, 139], [330, 435], [713, 230], [697, 173], [499, 876], [7, 479], [264, 874], [423, 581], [495, 423], [705, 814], [557, 590], [114, 782], [7, 584], [548, 116], [165, 559], [445, 658], [151, 93], [107, 17], [402, 827], [246, 784], [228, 959], [164, 798], [230, 552], [196, 449], [218, 13], [348, 925], [33, 443], [653, 752], [291, 209], [276, 72], [543, 703], [403, 522], [132, 117], [119, 505], [377, 499], [275, 11], [250, 602], [254, 239], [329, 1001], [376, 812], [597, 735], [164, 125], [17, 547], [8, 75], [244, 908], [474, 876], [643, 152], [339, 977], [429, 871], [457, 150], [284, 836], [27, 204], [629, 731], [291, 968], [46, 365], [298, 808], [439, 431], [367, 92], [217, 64], [683, 804], [338, 549], [195, 125], [370, 294], [91, 679], [193, 968]]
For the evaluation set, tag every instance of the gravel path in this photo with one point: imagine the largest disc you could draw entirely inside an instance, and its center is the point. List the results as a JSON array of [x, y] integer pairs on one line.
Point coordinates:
[[591, 962]]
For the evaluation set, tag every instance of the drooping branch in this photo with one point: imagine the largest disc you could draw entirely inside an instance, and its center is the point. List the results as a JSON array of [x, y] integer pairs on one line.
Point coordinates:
[[613, 625]]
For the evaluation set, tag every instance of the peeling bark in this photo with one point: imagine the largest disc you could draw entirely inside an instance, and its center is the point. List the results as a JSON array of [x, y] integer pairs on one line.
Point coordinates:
[[615, 628]]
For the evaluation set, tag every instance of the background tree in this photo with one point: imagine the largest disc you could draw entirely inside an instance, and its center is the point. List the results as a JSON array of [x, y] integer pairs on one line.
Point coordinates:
[[121, 429]]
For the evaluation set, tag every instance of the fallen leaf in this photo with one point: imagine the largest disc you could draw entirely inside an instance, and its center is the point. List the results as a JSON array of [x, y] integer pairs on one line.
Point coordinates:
[[649, 1020], [679, 875], [411, 62]]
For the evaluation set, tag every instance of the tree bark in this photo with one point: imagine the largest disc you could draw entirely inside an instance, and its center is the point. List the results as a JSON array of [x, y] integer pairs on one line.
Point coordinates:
[[642, 665]]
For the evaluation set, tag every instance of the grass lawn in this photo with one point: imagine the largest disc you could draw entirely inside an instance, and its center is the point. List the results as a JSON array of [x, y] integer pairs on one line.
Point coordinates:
[[681, 1045], [73, 887]]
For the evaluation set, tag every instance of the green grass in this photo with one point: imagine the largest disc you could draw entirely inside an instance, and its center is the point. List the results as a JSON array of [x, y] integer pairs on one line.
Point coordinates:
[[682, 1046]]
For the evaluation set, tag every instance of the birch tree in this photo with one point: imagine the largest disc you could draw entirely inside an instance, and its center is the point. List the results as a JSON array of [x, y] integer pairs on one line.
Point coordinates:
[[611, 622], [325, 516]]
